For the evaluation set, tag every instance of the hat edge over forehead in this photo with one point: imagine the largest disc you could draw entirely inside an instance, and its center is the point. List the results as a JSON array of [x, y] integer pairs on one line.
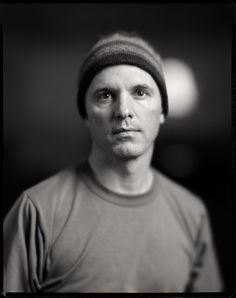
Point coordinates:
[[120, 49]]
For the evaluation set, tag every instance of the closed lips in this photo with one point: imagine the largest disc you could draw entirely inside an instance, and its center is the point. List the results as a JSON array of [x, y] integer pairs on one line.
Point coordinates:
[[119, 130]]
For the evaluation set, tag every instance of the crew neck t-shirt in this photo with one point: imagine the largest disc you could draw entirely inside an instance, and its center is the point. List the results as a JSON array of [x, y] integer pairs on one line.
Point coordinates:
[[71, 234]]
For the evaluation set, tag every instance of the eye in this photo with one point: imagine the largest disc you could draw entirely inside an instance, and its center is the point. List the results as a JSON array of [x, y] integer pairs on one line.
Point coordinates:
[[104, 96], [141, 92]]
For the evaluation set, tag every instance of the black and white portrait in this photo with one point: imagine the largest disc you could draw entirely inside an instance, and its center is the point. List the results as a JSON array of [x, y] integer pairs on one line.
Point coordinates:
[[117, 148]]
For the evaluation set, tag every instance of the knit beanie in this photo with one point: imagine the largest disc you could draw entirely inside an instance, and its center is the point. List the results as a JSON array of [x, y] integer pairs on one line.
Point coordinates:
[[116, 49]]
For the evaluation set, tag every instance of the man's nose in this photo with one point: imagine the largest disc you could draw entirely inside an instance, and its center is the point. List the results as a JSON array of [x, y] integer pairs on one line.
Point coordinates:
[[123, 107]]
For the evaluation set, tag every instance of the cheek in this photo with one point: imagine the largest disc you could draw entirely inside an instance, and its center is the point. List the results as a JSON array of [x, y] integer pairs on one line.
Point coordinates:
[[154, 114], [96, 117], [153, 120], [151, 108], [95, 120], [97, 124]]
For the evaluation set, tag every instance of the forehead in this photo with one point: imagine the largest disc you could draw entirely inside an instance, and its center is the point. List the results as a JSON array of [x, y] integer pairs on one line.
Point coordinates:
[[122, 74]]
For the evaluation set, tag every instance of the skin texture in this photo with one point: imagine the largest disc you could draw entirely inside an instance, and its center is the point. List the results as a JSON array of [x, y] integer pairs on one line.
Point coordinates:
[[124, 114]]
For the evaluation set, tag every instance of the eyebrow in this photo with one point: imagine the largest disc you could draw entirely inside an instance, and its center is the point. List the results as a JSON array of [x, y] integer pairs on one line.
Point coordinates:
[[144, 86], [115, 90], [104, 89]]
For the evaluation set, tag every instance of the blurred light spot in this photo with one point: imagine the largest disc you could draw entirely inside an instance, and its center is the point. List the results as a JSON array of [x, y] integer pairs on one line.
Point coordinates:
[[179, 160], [181, 87]]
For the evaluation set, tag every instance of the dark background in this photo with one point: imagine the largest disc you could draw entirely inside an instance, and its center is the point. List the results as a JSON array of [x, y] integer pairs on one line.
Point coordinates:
[[43, 46]]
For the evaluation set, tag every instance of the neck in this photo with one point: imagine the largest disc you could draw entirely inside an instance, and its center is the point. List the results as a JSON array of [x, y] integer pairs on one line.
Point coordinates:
[[125, 176]]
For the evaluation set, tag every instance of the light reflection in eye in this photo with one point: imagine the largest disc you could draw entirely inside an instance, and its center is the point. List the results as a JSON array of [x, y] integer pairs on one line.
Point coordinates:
[[141, 91], [104, 96]]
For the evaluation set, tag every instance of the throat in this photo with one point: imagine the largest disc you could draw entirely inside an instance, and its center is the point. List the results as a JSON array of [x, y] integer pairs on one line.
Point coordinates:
[[130, 177]]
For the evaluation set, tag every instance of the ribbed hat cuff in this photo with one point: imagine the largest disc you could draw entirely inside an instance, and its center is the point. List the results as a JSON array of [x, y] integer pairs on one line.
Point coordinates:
[[97, 63]]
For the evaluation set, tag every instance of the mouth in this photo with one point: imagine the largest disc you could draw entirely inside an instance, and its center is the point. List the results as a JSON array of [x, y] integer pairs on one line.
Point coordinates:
[[124, 131]]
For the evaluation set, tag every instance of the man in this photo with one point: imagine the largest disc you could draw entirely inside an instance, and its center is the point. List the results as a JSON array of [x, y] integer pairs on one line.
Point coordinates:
[[113, 223]]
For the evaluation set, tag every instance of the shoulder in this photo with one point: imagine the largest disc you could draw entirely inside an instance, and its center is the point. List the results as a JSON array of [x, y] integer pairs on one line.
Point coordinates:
[[55, 186], [188, 208], [180, 194], [53, 199], [56, 195]]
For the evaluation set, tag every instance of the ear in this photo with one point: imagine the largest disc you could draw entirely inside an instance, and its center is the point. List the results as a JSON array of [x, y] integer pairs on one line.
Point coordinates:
[[162, 118]]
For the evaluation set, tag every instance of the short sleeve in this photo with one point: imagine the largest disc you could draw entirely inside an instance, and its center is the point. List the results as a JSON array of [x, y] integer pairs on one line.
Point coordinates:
[[205, 274], [24, 247]]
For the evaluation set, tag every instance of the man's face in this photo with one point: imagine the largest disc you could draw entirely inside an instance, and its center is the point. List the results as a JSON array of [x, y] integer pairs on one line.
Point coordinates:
[[123, 105]]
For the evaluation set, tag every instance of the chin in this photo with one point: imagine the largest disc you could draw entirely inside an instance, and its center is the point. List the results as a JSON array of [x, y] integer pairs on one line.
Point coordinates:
[[127, 152]]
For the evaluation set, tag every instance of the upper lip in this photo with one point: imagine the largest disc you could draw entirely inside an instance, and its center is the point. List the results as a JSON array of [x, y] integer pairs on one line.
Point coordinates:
[[123, 129]]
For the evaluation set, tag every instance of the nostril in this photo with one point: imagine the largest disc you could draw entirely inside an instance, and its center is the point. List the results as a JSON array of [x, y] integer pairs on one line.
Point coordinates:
[[123, 113], [123, 116]]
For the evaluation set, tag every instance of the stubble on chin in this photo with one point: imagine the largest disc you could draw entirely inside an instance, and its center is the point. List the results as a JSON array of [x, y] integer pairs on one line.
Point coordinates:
[[126, 152]]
